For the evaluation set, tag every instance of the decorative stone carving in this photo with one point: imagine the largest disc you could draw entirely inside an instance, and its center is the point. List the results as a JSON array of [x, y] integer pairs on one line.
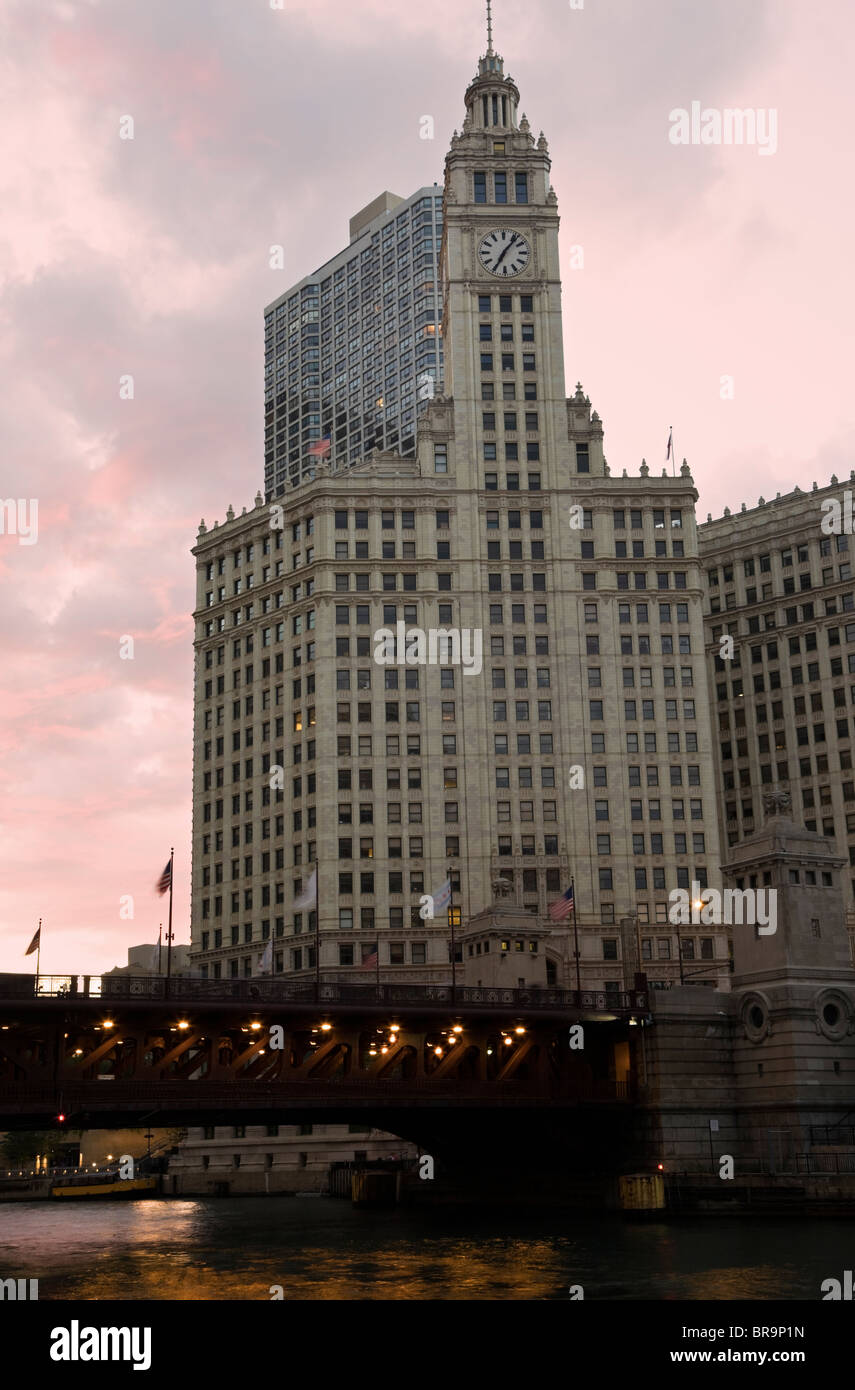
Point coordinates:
[[776, 801]]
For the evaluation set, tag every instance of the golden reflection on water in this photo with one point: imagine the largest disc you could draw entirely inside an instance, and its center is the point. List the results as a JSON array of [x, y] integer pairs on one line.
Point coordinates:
[[231, 1249]]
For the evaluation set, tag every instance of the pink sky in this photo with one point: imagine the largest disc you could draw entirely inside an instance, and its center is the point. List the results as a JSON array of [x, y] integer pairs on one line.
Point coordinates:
[[255, 126]]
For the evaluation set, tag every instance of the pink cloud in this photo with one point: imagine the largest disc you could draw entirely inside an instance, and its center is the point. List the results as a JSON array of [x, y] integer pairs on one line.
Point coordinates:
[[150, 257]]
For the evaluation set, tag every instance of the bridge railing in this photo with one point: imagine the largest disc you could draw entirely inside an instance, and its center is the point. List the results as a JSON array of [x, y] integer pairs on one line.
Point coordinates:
[[362, 1091], [183, 989]]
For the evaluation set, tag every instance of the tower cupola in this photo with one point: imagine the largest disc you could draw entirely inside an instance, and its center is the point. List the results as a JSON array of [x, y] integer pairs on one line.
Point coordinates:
[[492, 99]]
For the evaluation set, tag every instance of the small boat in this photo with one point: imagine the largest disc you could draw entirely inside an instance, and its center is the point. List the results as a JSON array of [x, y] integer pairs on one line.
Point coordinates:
[[106, 1185]]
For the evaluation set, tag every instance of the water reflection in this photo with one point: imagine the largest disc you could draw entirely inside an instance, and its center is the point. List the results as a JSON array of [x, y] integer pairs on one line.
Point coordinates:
[[324, 1249]]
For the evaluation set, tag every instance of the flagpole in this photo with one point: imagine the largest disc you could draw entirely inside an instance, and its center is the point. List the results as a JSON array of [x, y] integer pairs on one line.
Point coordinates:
[[169, 926], [159, 946], [317, 932], [38, 954], [378, 970], [576, 934], [453, 943], [673, 452]]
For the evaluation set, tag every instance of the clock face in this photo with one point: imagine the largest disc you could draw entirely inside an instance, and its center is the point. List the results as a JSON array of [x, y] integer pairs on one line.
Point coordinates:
[[504, 253]]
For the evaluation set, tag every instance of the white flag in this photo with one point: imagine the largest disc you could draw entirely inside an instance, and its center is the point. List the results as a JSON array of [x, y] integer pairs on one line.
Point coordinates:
[[309, 895], [442, 898], [266, 960]]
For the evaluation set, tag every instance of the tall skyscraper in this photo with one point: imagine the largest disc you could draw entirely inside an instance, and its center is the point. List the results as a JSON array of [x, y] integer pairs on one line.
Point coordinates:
[[353, 352], [349, 757], [781, 586]]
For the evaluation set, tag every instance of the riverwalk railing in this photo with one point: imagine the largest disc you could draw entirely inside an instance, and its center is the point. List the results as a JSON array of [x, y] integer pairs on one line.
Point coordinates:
[[833, 1164], [183, 989]]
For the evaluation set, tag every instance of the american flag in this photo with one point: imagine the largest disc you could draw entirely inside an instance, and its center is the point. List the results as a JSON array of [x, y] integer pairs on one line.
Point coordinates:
[[320, 447], [164, 883], [670, 448], [562, 907], [370, 962]]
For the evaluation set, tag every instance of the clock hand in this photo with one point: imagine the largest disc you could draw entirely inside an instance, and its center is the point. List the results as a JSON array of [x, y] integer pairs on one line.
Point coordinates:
[[506, 250]]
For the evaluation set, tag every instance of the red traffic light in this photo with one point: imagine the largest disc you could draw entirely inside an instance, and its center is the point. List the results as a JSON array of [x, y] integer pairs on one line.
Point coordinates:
[[61, 1119]]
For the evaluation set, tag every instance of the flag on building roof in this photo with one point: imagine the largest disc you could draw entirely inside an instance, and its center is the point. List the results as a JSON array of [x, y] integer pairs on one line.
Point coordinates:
[[320, 447], [164, 883], [669, 451], [563, 906], [34, 944]]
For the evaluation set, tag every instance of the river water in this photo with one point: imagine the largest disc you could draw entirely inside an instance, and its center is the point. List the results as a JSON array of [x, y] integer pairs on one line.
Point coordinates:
[[322, 1248]]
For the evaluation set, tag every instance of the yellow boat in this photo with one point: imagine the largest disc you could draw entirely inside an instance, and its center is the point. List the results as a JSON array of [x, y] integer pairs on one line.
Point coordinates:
[[108, 1185]]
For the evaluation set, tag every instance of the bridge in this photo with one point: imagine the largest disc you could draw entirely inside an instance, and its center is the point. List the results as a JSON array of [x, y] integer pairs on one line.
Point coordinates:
[[111, 1051]]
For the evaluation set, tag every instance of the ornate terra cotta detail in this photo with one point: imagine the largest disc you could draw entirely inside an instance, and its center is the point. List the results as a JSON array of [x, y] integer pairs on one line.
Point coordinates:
[[776, 801]]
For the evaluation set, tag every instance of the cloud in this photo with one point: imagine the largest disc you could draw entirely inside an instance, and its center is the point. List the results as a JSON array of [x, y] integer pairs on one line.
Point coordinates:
[[149, 258]]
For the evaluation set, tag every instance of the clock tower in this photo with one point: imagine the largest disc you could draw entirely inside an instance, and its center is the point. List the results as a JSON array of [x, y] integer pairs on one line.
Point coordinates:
[[587, 736], [500, 278]]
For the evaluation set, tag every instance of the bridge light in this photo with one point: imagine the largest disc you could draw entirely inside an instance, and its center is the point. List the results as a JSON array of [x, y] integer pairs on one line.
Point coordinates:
[[325, 1027], [255, 1026], [108, 1023], [182, 1023], [438, 1051], [520, 1029], [489, 1051], [452, 1040], [633, 1023], [508, 1041], [78, 1052], [458, 1028], [384, 1048]]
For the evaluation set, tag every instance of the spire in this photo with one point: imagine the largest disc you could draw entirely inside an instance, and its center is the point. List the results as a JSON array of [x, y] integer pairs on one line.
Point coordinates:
[[492, 98], [491, 64]]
